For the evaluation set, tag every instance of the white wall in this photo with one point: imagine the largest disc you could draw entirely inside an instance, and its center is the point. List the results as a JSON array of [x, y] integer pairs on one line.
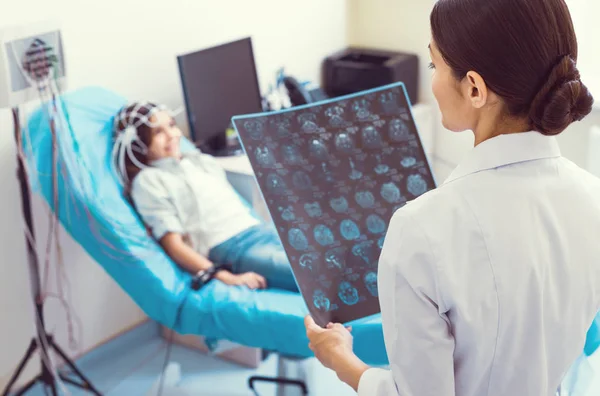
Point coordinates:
[[131, 47], [403, 25], [585, 16]]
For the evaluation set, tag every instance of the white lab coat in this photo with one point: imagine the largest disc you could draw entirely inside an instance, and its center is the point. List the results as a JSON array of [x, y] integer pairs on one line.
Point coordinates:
[[489, 283]]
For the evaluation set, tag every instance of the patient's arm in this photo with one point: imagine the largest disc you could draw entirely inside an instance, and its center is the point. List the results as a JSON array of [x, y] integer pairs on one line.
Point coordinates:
[[180, 252]]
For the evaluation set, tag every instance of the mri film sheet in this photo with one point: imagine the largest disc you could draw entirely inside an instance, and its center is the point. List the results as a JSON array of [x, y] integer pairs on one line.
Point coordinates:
[[332, 174]]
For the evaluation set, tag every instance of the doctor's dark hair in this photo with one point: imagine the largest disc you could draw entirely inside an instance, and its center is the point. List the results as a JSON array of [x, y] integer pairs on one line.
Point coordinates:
[[526, 52]]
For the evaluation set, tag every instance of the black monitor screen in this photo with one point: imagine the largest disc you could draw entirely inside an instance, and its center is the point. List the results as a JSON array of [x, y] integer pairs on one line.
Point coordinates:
[[218, 83]]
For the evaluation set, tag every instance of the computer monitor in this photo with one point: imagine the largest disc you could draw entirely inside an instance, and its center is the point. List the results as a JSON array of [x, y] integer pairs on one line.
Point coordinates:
[[218, 83]]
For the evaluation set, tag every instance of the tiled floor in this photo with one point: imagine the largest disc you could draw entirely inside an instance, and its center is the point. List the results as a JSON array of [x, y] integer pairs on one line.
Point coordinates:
[[130, 365]]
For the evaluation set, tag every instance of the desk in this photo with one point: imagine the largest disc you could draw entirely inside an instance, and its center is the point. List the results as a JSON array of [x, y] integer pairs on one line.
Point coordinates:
[[238, 164]]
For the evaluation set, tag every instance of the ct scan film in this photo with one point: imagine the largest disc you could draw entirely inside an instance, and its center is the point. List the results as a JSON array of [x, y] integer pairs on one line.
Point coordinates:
[[332, 174]]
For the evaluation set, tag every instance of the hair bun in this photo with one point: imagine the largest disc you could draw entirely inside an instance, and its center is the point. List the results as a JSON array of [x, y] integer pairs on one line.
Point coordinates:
[[562, 99]]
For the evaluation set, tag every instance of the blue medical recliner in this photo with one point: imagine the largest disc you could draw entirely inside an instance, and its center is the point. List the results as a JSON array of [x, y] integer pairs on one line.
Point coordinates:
[[96, 214]]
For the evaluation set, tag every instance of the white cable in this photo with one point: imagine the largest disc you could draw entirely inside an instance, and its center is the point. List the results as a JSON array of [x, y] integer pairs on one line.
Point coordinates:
[[47, 357], [126, 125], [44, 347]]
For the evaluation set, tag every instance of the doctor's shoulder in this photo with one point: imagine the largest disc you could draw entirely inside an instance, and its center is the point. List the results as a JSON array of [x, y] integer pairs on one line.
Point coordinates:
[[439, 209], [584, 173]]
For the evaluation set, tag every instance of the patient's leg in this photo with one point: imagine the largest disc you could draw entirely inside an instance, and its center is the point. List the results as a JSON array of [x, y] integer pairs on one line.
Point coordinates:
[[258, 250], [267, 257]]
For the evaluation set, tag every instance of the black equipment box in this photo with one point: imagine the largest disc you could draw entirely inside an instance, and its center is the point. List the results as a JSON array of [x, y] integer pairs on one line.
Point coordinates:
[[357, 69]]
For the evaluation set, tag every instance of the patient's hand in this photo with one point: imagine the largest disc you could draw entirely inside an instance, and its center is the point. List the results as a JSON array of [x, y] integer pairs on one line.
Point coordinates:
[[250, 279]]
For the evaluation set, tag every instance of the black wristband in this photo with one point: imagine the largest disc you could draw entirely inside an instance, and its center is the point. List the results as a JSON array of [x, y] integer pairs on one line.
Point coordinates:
[[205, 276]]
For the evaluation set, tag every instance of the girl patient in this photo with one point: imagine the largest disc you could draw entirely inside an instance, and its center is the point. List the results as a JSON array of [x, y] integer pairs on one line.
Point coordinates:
[[190, 207]]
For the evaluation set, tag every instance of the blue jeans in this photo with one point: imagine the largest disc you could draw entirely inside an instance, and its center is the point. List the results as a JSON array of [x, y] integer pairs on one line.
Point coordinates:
[[257, 249]]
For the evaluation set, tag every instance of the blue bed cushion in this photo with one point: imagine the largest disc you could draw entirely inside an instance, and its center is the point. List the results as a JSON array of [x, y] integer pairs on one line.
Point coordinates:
[[593, 337], [95, 213]]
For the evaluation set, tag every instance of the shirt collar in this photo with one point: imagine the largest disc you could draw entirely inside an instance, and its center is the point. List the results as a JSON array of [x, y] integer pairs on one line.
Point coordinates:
[[504, 150], [169, 161]]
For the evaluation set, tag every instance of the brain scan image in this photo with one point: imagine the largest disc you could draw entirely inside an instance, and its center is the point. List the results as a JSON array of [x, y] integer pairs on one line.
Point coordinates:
[[287, 213], [323, 235], [326, 173], [390, 192], [335, 115], [347, 293], [254, 128], [313, 209], [332, 174], [297, 239], [318, 149], [275, 184], [283, 128], [264, 156], [363, 250], [381, 168], [335, 257], [398, 130], [308, 122], [362, 109], [344, 143], [365, 199], [408, 162], [354, 173], [370, 280], [388, 102], [308, 259], [301, 180], [375, 224], [339, 205], [416, 185], [371, 138], [320, 301], [349, 230], [291, 154]]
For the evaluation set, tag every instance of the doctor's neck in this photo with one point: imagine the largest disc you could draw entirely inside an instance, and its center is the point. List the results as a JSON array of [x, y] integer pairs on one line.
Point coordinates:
[[495, 123]]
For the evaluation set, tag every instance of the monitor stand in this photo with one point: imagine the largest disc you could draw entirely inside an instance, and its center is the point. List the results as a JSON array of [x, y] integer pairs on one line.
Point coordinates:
[[228, 152], [217, 147]]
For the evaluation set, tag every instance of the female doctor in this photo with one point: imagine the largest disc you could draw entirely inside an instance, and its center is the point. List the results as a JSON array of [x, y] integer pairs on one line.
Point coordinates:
[[489, 283]]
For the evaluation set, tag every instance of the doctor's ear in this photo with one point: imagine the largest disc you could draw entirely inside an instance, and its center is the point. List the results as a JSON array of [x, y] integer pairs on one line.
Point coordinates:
[[477, 91]]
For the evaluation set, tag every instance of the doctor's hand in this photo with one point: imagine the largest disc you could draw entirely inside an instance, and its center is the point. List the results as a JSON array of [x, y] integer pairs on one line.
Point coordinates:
[[331, 344]]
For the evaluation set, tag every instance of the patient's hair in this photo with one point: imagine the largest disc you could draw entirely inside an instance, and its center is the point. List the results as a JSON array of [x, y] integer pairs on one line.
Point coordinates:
[[145, 134], [526, 52]]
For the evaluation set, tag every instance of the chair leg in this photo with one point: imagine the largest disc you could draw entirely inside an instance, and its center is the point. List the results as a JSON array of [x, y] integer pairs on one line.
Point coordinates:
[[280, 379], [281, 373]]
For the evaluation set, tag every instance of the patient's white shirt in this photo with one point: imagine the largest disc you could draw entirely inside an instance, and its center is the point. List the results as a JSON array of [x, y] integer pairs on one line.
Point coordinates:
[[190, 196], [489, 283]]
